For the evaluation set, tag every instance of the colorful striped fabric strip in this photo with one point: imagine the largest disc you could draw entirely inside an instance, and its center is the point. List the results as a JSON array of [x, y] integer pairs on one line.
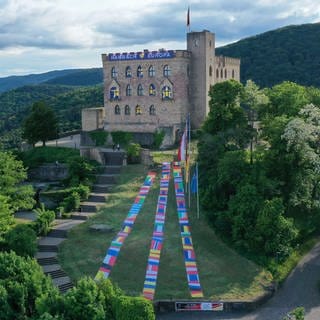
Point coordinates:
[[112, 253], [188, 251], [157, 237]]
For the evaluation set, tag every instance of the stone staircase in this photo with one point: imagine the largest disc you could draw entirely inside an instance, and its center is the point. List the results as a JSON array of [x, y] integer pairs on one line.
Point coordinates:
[[48, 246]]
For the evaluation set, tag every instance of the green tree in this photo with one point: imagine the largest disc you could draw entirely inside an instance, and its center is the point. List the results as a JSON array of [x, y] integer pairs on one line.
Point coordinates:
[[12, 175], [22, 281], [6, 216], [41, 124]]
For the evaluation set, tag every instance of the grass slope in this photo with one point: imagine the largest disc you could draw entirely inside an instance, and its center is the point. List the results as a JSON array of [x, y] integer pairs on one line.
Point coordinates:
[[223, 273]]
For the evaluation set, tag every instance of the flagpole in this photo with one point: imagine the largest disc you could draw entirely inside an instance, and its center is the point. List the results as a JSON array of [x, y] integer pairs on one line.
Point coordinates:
[[198, 211]]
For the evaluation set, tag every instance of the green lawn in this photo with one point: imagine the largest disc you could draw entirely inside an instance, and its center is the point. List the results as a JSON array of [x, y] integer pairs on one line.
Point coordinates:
[[223, 273]]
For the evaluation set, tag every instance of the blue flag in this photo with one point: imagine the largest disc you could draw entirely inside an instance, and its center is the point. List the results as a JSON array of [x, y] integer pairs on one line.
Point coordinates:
[[194, 181]]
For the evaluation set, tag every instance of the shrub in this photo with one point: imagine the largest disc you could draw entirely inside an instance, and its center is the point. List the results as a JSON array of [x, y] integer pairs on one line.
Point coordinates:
[[133, 152], [99, 137], [121, 137], [82, 190], [22, 239], [42, 224], [71, 203], [80, 171], [158, 137], [133, 308]]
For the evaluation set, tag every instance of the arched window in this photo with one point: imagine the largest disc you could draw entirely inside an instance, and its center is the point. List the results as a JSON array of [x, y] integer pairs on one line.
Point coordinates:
[[140, 90], [217, 73], [221, 73], [114, 72], [166, 92], [210, 71], [225, 73], [127, 110], [114, 93], [151, 71], [128, 90], [232, 74], [139, 72], [117, 109], [166, 71], [128, 72], [152, 90], [152, 110], [138, 110]]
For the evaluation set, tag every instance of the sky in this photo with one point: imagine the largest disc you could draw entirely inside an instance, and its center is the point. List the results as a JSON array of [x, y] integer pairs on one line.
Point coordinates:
[[42, 35]]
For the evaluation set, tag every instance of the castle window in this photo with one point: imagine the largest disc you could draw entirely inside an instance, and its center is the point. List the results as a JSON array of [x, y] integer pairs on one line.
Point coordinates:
[[128, 90], [127, 110], [210, 71], [151, 71], [217, 73], [166, 93], [139, 72], [232, 74], [138, 110], [225, 73], [114, 93], [128, 72], [166, 71], [152, 110], [210, 43], [114, 72], [140, 90], [221, 73], [117, 109], [152, 90]]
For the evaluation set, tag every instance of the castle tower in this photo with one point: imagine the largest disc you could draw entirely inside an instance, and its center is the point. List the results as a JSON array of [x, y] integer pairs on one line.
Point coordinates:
[[202, 48]]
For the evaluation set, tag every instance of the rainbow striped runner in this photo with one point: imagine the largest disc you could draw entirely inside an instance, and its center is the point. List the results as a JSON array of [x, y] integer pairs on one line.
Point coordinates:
[[157, 236], [113, 252], [188, 251]]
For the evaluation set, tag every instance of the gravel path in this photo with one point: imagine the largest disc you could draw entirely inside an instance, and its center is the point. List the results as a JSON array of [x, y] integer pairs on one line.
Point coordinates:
[[300, 289]]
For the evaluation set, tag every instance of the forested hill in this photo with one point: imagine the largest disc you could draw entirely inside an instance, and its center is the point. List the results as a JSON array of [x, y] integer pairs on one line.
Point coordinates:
[[71, 77], [290, 53]]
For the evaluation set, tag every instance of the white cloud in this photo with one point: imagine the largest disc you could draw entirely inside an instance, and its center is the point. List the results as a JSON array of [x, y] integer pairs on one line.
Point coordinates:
[[68, 31]]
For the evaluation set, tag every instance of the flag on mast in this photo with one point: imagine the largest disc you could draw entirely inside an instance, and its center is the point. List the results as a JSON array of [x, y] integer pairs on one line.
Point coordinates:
[[194, 181], [188, 17]]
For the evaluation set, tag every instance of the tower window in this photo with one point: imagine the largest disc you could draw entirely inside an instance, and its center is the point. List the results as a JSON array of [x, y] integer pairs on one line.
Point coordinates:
[[114, 72], [138, 110], [128, 72], [166, 93], [232, 74], [210, 71], [217, 73], [114, 93], [166, 71], [221, 73], [127, 110], [139, 72], [128, 90], [152, 90], [140, 90], [152, 110], [151, 71], [117, 109]]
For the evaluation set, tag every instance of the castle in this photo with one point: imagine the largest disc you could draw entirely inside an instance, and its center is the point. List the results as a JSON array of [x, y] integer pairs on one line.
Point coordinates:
[[156, 90]]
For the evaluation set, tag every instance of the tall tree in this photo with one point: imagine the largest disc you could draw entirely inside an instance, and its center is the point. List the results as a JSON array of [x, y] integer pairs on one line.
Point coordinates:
[[41, 124]]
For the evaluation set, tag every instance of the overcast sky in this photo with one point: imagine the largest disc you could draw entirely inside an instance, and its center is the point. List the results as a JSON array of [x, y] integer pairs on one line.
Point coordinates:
[[43, 35]]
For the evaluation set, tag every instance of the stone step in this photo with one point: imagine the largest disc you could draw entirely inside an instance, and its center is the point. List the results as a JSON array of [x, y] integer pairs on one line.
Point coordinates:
[[106, 178], [47, 261], [111, 169], [57, 233], [56, 274], [65, 287], [102, 188], [88, 207], [82, 215], [50, 241], [97, 197], [47, 248]]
